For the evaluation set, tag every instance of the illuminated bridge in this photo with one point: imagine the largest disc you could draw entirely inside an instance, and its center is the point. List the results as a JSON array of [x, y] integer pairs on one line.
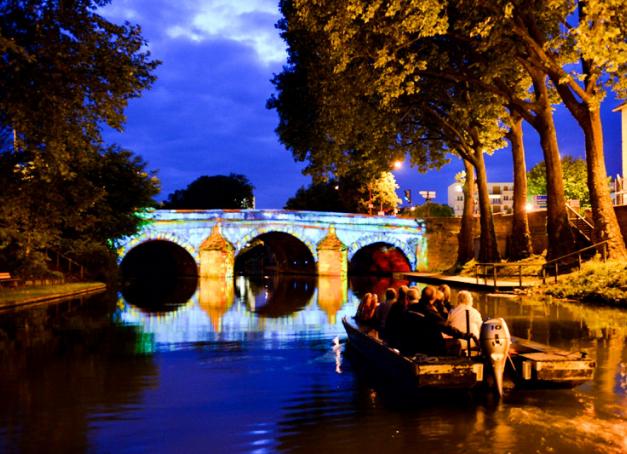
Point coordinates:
[[222, 242]]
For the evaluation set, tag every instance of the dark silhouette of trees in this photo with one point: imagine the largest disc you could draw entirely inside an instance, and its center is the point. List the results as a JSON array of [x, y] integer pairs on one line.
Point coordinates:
[[232, 191]]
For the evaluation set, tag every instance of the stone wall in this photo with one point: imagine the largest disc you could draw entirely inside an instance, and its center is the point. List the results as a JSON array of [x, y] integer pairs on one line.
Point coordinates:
[[442, 237]]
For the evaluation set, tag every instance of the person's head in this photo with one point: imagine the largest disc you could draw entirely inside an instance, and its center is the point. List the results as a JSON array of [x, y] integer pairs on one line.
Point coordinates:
[[464, 297], [402, 295], [412, 296], [390, 295], [428, 294], [439, 296], [446, 291]]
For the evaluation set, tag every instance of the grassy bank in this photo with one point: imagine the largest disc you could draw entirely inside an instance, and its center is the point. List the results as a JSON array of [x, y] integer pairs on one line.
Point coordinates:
[[29, 294], [597, 282]]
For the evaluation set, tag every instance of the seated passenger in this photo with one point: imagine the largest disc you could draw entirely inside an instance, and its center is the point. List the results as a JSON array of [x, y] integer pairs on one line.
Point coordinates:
[[443, 300], [383, 309], [394, 321], [425, 327], [367, 308], [457, 317]]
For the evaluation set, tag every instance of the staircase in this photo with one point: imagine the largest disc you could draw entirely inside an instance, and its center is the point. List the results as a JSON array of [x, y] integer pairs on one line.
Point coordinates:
[[580, 225]]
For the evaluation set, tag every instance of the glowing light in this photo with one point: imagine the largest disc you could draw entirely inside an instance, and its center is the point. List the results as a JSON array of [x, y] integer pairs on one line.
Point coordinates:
[[397, 165], [529, 207]]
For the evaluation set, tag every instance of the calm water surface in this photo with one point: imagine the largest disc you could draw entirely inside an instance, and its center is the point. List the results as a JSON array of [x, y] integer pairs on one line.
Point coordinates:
[[260, 366]]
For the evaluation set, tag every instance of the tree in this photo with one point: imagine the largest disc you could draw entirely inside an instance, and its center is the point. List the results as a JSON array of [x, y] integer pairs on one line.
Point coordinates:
[[342, 195], [520, 246], [380, 194], [231, 191], [427, 210], [355, 81], [575, 180], [465, 238], [65, 73], [553, 36], [96, 200]]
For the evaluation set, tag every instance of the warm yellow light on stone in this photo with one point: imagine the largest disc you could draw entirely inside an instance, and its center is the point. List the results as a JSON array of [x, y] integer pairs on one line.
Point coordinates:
[[217, 255], [332, 293], [332, 255], [215, 298]]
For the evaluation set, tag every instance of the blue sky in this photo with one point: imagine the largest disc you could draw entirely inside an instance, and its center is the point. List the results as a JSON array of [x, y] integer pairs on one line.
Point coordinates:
[[206, 114]]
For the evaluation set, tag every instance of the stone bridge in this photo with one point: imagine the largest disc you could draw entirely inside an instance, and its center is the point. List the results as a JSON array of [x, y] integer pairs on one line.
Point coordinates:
[[218, 242]]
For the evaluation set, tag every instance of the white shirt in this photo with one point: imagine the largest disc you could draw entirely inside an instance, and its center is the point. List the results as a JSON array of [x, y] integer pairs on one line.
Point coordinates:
[[457, 319]]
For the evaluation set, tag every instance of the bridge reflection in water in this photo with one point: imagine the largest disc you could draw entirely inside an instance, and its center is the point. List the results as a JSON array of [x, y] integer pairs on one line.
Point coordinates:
[[232, 308]]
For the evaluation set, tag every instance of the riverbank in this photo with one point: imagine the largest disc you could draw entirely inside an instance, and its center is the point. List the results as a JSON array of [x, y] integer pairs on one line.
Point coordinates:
[[597, 282], [27, 295]]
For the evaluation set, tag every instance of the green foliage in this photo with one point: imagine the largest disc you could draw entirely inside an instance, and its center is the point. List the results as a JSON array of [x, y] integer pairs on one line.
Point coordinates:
[[380, 194], [429, 209], [96, 198], [219, 191], [65, 73], [574, 176], [600, 282]]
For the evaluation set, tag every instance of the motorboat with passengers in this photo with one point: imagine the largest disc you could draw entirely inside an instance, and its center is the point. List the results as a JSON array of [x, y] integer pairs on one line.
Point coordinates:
[[501, 362]]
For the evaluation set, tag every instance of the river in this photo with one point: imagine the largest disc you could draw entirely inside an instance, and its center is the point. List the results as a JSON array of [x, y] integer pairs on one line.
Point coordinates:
[[259, 366]]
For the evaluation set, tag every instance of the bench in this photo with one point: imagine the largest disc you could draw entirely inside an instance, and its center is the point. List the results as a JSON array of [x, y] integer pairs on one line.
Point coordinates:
[[5, 278]]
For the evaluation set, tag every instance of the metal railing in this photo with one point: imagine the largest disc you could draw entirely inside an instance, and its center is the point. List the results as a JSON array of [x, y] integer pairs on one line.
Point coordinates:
[[491, 269], [67, 265], [556, 261], [576, 220]]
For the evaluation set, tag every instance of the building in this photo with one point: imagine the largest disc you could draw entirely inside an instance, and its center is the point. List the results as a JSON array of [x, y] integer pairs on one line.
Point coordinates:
[[620, 187], [501, 198]]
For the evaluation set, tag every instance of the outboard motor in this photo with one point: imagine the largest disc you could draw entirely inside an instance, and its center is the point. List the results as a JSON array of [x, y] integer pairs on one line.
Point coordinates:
[[495, 341]]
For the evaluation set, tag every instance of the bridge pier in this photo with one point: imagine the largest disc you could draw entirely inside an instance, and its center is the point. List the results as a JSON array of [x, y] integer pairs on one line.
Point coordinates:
[[332, 255], [217, 256]]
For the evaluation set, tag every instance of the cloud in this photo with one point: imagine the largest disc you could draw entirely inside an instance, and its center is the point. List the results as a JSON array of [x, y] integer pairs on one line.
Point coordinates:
[[248, 22]]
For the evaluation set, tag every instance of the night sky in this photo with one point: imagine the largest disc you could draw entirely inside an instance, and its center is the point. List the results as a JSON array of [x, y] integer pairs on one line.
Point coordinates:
[[206, 114]]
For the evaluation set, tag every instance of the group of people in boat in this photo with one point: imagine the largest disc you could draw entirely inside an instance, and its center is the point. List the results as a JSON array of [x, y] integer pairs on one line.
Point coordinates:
[[423, 322]]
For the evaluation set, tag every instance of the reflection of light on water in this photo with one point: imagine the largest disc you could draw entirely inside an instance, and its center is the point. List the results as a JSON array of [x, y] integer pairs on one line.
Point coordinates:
[[190, 323], [583, 431], [337, 349]]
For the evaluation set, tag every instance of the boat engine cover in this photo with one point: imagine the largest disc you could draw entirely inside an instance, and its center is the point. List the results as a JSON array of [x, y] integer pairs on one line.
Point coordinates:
[[495, 341]]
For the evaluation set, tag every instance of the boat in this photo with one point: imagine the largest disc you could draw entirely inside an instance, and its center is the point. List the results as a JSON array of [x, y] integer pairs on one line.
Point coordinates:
[[506, 362]]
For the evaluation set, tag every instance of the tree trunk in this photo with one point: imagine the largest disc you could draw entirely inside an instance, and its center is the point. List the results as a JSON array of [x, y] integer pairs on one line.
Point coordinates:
[[465, 238], [488, 250], [521, 246], [606, 225], [560, 237]]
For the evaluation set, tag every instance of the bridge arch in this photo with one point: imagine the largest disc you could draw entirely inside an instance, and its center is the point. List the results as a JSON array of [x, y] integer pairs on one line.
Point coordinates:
[[157, 236], [271, 249], [265, 229], [382, 238]]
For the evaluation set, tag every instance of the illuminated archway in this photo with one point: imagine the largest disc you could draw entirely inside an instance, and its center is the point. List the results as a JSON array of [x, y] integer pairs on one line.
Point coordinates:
[[158, 275], [275, 252], [379, 258]]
